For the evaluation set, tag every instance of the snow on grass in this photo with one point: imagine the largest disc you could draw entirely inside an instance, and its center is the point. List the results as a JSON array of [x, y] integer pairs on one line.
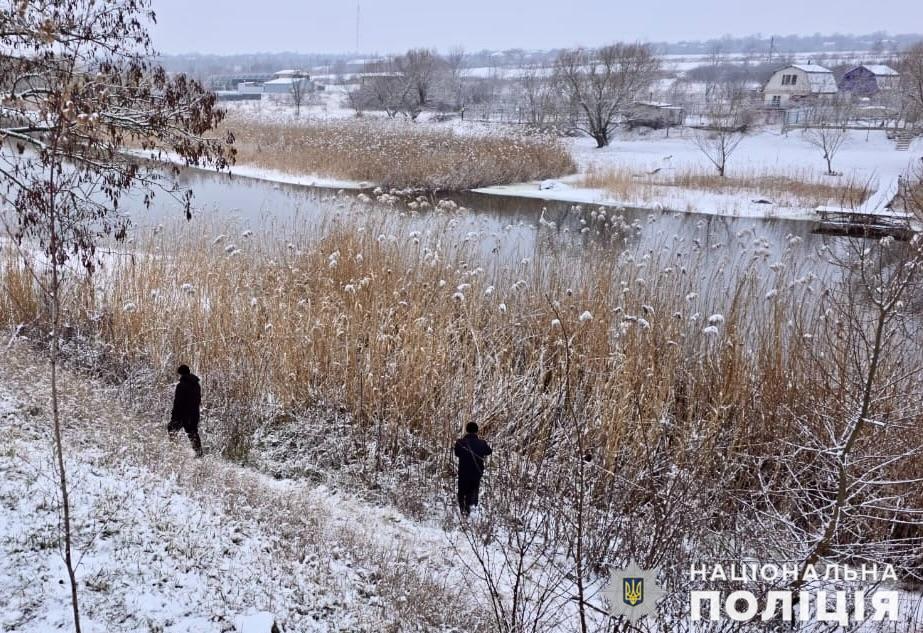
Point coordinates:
[[866, 157], [148, 554], [261, 173], [169, 543]]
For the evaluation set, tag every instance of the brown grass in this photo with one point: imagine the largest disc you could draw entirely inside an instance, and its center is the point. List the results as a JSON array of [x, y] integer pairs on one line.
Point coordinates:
[[398, 154], [424, 336], [801, 188], [415, 335]]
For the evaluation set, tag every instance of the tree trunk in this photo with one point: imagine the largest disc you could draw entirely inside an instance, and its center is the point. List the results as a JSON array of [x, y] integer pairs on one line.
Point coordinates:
[[59, 443], [54, 250]]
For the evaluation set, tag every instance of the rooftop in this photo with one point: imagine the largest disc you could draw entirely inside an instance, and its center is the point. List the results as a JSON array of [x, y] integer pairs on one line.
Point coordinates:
[[811, 68], [880, 70]]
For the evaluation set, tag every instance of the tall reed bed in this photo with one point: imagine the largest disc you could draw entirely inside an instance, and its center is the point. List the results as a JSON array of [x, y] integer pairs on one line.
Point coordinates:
[[694, 387], [398, 154], [673, 404], [418, 333], [803, 188]]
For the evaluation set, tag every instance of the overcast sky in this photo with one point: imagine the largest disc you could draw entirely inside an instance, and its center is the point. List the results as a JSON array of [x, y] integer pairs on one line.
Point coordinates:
[[243, 26]]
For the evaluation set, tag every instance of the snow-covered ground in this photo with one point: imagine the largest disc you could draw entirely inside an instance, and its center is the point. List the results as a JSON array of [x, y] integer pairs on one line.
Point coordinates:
[[262, 173], [173, 544], [307, 180], [866, 157], [330, 103]]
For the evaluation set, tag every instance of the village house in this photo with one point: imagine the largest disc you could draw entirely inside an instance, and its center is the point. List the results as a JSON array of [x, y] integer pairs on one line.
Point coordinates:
[[798, 82], [868, 80], [654, 114], [283, 80]]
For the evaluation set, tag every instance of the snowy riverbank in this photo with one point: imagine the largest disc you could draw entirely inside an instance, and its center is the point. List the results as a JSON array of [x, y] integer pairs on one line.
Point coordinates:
[[866, 157], [174, 544]]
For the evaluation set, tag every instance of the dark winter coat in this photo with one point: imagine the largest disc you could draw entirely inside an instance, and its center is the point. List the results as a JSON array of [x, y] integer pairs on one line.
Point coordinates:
[[471, 451], [187, 400]]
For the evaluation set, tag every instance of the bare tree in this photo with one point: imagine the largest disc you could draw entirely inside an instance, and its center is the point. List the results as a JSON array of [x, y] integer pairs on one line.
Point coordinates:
[[538, 93], [827, 131], [911, 69], [845, 486], [455, 77], [298, 91], [601, 83], [420, 69], [713, 70], [356, 100], [79, 89], [400, 85], [727, 120], [384, 87], [910, 192]]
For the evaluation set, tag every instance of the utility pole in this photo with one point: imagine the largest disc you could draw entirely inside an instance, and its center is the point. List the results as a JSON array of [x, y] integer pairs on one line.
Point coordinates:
[[358, 13], [772, 44]]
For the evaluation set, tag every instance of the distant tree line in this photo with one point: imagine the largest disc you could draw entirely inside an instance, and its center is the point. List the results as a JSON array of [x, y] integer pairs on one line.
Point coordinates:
[[757, 46], [582, 89]]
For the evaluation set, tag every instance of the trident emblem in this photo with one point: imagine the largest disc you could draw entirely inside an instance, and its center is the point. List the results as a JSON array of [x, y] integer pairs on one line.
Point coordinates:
[[633, 591]]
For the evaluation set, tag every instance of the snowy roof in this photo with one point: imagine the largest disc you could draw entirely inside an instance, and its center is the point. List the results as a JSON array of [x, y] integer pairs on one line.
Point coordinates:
[[820, 79], [811, 68], [290, 73], [284, 80], [880, 70]]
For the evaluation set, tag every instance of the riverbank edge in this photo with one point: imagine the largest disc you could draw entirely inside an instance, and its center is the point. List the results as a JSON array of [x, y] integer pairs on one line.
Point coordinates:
[[536, 190]]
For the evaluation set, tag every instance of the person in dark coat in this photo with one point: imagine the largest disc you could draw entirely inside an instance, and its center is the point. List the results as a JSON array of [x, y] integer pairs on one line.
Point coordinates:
[[185, 414], [470, 451]]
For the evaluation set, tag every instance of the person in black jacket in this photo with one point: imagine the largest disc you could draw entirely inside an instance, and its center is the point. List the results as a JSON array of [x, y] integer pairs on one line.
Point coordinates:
[[470, 451], [185, 414]]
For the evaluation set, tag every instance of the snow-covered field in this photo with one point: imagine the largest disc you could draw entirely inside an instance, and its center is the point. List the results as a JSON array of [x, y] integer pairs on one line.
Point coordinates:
[[866, 157], [172, 544]]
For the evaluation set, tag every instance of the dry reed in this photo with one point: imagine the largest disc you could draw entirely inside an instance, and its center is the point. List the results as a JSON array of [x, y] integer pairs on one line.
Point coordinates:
[[680, 362], [412, 333], [399, 155], [801, 188]]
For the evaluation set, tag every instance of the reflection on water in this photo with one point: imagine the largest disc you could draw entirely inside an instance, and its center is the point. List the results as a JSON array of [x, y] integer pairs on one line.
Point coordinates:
[[504, 228]]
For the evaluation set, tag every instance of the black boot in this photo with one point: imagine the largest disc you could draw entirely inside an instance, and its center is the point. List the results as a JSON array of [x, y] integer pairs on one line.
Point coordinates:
[[196, 443]]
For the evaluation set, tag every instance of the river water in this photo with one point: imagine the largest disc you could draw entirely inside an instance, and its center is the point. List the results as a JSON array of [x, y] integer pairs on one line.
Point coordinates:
[[505, 228]]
